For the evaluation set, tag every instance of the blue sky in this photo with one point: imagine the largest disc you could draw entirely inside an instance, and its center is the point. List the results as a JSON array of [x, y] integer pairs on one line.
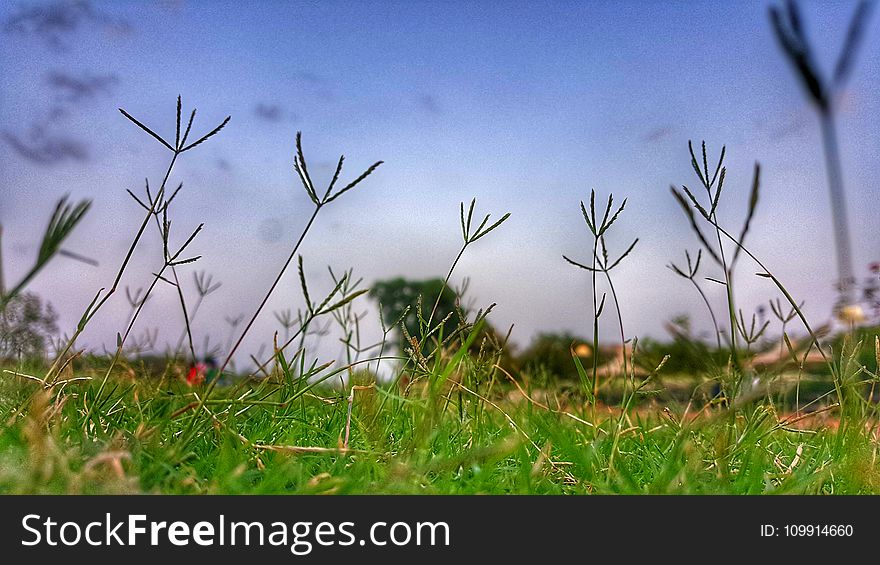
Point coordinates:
[[525, 106]]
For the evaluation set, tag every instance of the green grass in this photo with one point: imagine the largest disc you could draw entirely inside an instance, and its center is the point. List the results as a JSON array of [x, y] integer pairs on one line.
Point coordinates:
[[454, 417], [248, 439]]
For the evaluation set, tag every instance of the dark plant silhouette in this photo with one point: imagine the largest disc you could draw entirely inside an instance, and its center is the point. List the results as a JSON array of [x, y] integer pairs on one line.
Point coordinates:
[[823, 93], [299, 165], [601, 263], [64, 219], [713, 184]]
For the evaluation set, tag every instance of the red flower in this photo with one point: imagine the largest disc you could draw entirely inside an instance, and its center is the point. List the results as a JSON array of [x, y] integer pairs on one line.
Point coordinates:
[[196, 375]]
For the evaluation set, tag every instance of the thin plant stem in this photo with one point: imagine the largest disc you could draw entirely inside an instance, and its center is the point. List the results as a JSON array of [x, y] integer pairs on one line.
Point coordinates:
[[731, 305], [595, 354], [186, 318], [271, 290], [711, 312], [445, 284], [96, 304], [838, 208]]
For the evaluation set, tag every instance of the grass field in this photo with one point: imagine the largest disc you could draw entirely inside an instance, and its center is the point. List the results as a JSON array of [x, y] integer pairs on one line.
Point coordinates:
[[453, 418], [269, 437]]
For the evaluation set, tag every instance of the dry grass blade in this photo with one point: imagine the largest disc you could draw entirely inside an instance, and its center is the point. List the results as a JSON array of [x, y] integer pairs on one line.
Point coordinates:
[[541, 405], [311, 450], [348, 413]]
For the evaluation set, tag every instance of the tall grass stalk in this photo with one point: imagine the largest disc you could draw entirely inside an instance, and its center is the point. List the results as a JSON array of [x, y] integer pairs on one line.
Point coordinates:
[[604, 265], [98, 301], [469, 237], [714, 185], [156, 206], [823, 93], [301, 168], [441, 370]]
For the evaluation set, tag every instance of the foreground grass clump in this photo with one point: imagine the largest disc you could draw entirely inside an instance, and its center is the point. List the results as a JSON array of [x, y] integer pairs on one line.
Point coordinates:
[[750, 415], [249, 440]]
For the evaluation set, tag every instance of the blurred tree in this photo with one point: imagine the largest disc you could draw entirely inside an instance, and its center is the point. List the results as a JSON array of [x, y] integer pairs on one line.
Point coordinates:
[[399, 296], [551, 354], [26, 324], [396, 295]]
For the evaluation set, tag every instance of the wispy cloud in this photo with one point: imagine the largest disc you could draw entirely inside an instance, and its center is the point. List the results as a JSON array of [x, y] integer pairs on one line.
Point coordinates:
[[314, 84], [44, 148], [74, 89], [269, 112], [309, 77], [171, 5], [270, 230], [657, 134], [57, 113], [428, 103], [795, 124], [55, 22]]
